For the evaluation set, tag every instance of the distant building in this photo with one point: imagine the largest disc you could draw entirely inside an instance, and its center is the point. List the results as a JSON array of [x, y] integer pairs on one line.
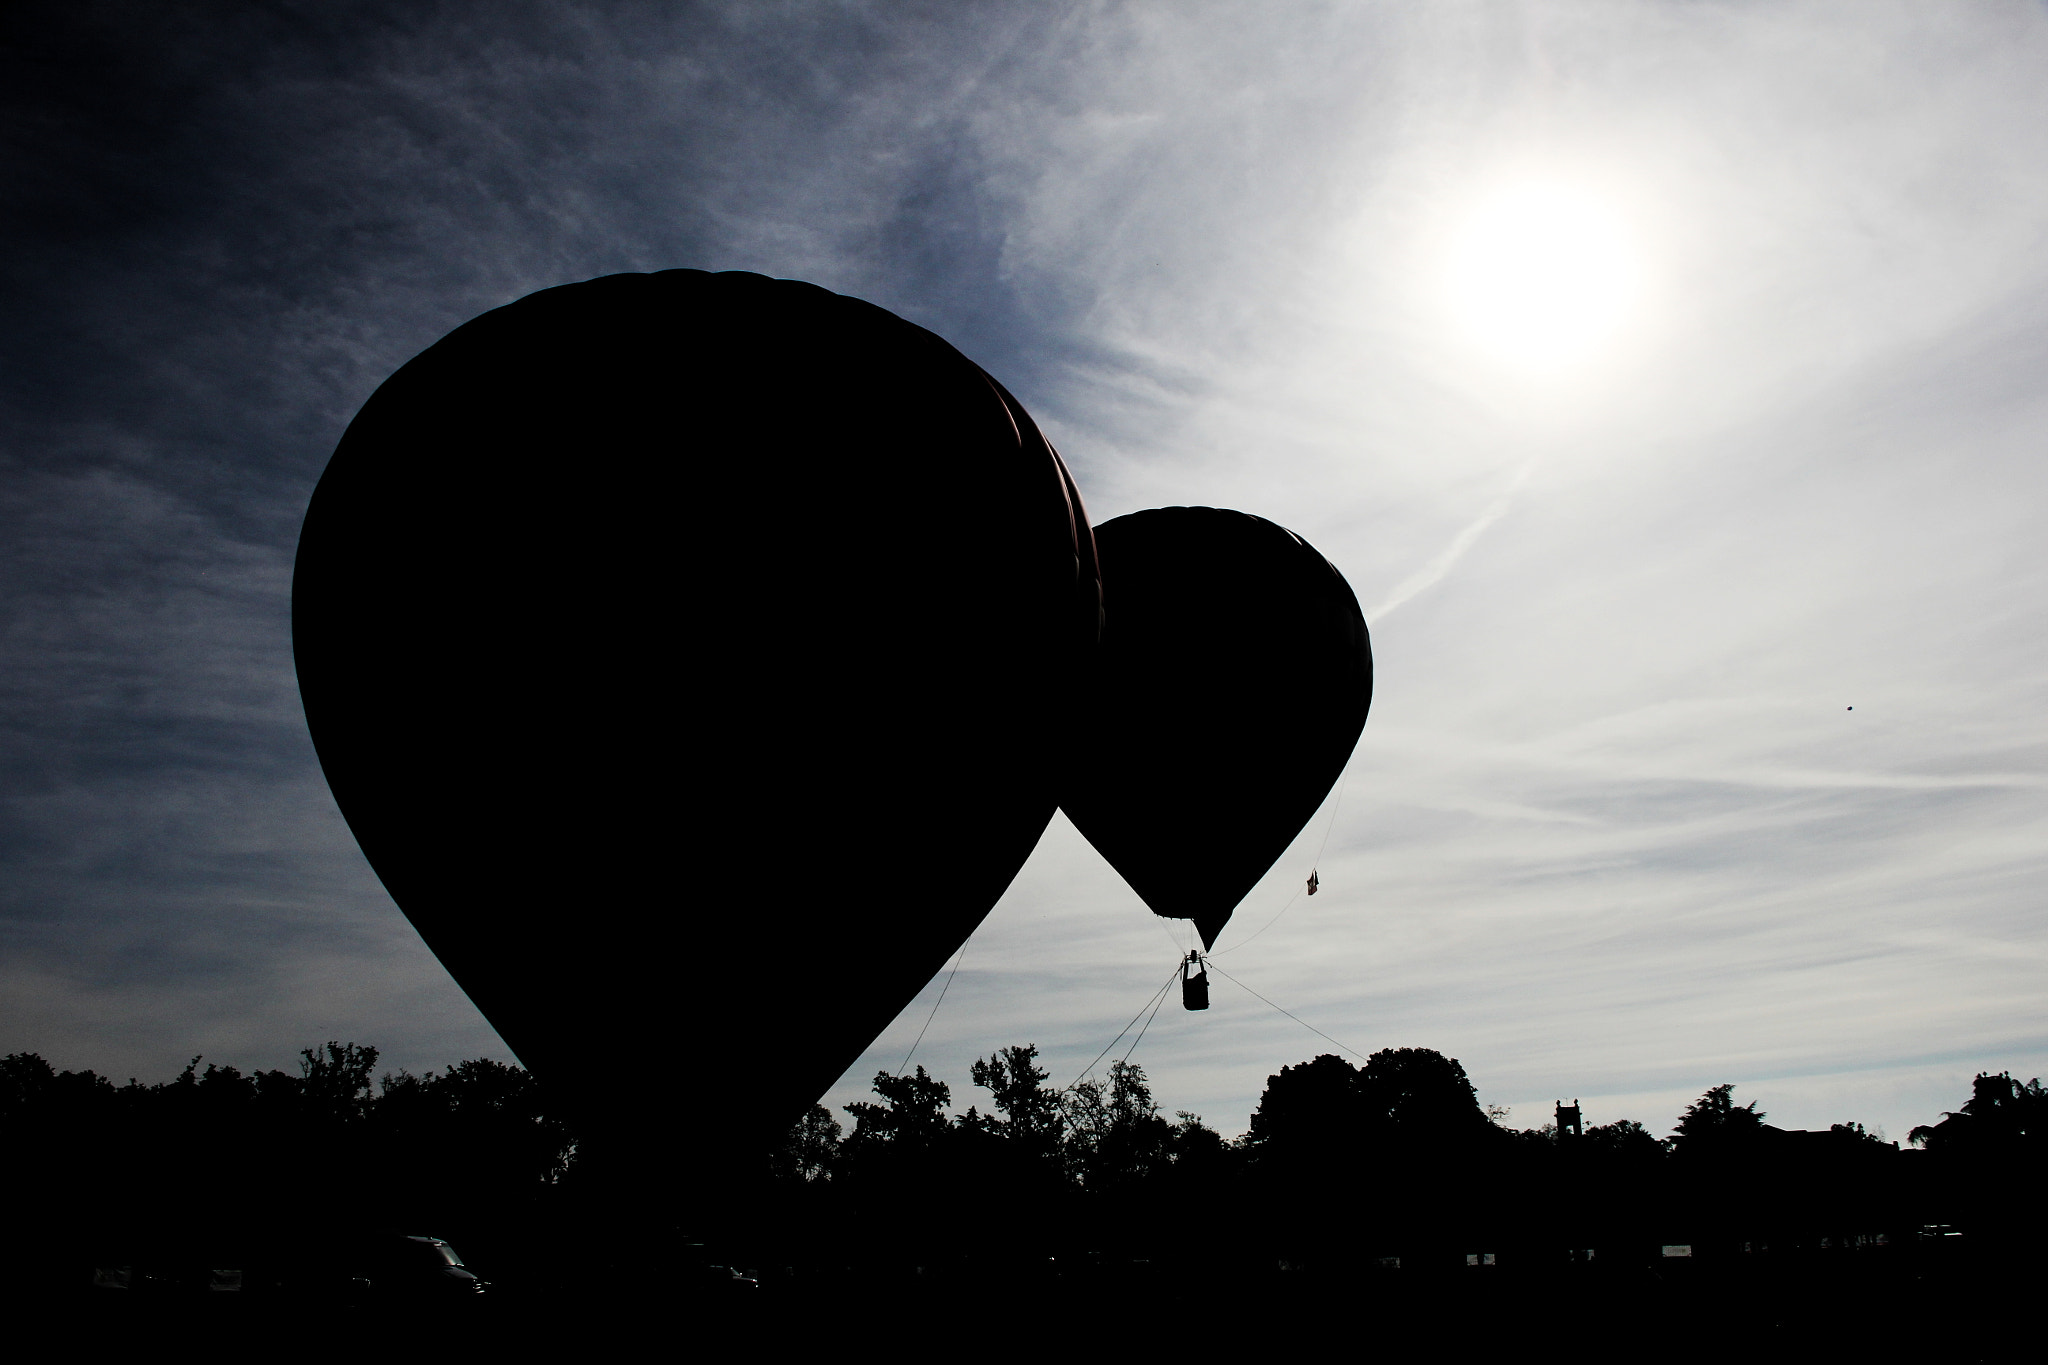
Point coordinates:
[[1568, 1122]]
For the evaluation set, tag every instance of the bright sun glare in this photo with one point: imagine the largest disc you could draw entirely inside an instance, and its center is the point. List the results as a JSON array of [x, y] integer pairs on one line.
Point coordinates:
[[1541, 275]]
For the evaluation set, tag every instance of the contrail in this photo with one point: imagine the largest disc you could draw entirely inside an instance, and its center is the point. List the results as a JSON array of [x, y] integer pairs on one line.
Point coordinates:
[[1432, 573]]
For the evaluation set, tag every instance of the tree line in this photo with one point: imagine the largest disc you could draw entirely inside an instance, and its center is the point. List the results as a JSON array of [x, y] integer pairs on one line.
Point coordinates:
[[1343, 1163], [1392, 1161], [217, 1156]]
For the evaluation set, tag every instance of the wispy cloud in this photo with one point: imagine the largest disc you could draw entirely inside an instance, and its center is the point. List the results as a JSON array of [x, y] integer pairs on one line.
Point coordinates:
[[1432, 573]]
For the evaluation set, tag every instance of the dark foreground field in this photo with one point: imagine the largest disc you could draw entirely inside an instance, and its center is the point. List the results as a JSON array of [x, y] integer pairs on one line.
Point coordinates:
[[1938, 1298]]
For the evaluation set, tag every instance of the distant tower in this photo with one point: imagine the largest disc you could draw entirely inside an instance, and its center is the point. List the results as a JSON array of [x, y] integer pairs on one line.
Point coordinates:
[[1568, 1123]]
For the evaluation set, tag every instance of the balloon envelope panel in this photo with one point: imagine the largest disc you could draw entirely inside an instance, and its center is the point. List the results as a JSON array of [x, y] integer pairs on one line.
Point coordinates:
[[665, 638], [1232, 684]]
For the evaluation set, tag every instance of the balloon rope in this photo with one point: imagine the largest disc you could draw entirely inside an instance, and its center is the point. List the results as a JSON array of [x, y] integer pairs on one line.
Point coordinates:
[[1160, 920], [962, 957], [1296, 1018], [1328, 829], [1148, 1025], [1148, 1005]]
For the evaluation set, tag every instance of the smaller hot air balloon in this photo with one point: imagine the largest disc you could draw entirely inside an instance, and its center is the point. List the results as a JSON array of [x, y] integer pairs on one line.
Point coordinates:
[[1231, 685]]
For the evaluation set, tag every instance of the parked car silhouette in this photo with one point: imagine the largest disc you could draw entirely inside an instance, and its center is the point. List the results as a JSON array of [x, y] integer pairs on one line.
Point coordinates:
[[385, 1268], [424, 1268]]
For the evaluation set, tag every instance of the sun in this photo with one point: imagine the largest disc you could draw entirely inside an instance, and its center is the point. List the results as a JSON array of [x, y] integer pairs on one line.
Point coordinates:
[[1542, 275]]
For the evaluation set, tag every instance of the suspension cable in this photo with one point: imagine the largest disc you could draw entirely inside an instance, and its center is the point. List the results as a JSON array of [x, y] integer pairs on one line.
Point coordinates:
[[957, 960], [1159, 1001], [1157, 995], [1329, 827], [1291, 1015]]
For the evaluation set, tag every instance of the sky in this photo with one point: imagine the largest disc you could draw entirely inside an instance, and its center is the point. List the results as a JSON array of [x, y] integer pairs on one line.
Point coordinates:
[[1665, 377]]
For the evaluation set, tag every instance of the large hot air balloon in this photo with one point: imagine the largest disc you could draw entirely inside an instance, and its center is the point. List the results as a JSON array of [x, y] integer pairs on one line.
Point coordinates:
[[688, 653], [1231, 685]]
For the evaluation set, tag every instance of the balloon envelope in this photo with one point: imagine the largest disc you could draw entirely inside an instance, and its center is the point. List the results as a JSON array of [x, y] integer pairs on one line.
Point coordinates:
[[671, 641], [1231, 686]]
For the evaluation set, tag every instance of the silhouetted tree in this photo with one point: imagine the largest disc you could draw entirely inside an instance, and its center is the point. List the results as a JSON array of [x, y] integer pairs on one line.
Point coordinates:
[[1624, 1140], [1327, 1109], [1114, 1133], [1031, 1113], [810, 1150], [1859, 1135], [2001, 1117], [1409, 1117], [1420, 1093], [1194, 1143], [336, 1081], [904, 1162], [1714, 1124], [912, 1113], [1989, 1160], [480, 1130], [1308, 1112]]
